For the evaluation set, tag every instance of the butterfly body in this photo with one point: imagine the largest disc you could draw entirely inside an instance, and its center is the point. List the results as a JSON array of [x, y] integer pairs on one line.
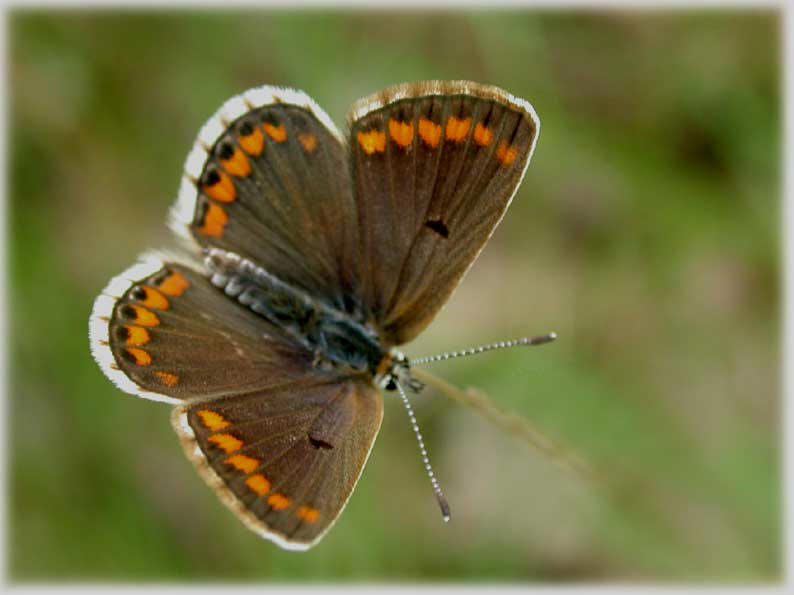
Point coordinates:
[[311, 257], [341, 340]]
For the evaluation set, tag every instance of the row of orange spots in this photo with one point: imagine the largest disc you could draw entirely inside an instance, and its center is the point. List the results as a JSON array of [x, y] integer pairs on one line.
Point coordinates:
[[256, 482], [456, 130], [220, 186], [259, 484], [174, 284]]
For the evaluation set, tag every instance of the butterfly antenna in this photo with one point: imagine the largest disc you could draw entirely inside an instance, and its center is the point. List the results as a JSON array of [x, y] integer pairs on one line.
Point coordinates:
[[540, 340], [442, 501]]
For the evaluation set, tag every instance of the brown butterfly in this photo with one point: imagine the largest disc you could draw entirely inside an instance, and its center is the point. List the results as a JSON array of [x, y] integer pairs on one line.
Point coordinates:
[[318, 254]]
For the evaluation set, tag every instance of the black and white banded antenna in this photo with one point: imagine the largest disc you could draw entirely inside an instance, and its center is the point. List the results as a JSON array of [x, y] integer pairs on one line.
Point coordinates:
[[539, 340], [442, 501]]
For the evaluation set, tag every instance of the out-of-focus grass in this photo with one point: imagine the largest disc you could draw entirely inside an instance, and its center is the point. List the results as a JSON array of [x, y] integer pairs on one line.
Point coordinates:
[[646, 234]]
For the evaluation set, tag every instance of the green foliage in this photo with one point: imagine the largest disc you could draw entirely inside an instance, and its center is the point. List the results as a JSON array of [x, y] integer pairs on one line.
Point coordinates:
[[646, 234]]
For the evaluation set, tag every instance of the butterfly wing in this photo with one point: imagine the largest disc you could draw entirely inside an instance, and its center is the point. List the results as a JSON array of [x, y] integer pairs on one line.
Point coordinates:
[[267, 178], [282, 441], [284, 461], [434, 165], [160, 330]]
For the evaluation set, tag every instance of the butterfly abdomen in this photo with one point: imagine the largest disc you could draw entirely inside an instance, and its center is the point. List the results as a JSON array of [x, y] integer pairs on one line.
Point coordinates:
[[335, 337]]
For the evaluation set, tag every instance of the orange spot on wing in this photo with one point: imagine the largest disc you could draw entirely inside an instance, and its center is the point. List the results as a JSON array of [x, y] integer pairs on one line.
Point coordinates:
[[308, 514], [506, 154], [142, 358], [482, 135], [136, 335], [243, 463], [372, 141], [401, 133], [309, 141], [154, 299], [277, 133], [214, 221], [213, 421], [258, 483], [430, 132], [174, 284], [237, 164], [223, 190], [253, 143], [278, 501], [457, 129], [167, 379], [144, 317], [227, 442]]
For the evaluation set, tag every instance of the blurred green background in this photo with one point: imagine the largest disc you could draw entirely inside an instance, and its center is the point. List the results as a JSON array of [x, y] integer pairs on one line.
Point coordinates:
[[646, 233]]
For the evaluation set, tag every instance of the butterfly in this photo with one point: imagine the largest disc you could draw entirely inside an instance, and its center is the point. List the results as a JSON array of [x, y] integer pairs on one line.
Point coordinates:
[[311, 255]]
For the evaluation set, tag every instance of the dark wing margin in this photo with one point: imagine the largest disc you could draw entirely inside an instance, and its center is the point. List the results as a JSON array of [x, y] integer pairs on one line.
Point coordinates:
[[267, 178], [285, 462], [434, 166]]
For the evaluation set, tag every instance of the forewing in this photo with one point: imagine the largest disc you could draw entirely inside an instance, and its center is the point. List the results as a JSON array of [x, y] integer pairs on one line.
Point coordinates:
[[268, 178], [434, 165], [162, 331], [284, 460]]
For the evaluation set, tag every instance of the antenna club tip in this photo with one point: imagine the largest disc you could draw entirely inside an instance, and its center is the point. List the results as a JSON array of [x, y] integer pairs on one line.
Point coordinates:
[[542, 339], [442, 502]]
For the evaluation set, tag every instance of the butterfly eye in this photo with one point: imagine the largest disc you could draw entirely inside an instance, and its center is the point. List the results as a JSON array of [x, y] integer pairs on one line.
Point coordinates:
[[391, 385]]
